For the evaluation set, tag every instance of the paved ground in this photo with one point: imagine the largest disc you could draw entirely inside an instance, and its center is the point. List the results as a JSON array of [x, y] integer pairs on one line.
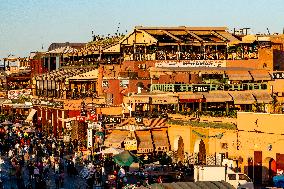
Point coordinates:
[[69, 182]]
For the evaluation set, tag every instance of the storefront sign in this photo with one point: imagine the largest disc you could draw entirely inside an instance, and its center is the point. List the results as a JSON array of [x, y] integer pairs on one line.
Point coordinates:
[[90, 138], [124, 83], [53, 104], [109, 120], [278, 75], [191, 63], [105, 83], [129, 147], [200, 88]]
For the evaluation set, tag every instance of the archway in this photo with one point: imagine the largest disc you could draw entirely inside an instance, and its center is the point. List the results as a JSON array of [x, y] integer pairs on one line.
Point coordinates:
[[179, 148], [269, 169], [200, 150]]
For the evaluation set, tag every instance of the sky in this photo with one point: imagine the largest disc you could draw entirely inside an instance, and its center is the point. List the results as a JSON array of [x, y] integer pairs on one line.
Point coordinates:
[[29, 25]]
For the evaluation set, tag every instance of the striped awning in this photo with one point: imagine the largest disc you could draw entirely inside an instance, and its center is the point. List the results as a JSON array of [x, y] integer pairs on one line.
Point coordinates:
[[31, 115]]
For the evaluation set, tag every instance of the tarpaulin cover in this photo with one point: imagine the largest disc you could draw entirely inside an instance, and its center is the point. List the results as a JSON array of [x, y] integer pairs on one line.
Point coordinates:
[[126, 158], [279, 181]]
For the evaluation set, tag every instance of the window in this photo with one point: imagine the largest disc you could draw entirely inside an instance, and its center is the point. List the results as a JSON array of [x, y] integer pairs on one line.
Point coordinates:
[[244, 177], [232, 176]]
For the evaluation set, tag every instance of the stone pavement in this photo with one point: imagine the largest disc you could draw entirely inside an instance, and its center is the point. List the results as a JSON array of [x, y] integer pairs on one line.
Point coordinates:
[[69, 182]]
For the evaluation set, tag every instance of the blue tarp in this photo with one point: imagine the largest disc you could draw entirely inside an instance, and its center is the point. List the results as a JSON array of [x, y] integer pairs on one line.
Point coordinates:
[[278, 181]]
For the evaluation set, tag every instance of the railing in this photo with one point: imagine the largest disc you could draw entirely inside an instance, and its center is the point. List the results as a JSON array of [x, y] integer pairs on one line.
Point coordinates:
[[207, 87]]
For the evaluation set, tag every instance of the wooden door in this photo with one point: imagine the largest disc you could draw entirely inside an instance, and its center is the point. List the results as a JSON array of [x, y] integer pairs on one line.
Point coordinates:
[[257, 167]]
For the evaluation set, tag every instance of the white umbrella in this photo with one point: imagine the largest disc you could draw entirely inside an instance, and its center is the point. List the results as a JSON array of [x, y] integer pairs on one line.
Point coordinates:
[[111, 150]]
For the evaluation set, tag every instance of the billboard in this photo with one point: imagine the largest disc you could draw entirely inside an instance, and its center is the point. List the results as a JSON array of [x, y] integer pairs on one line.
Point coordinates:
[[16, 94]]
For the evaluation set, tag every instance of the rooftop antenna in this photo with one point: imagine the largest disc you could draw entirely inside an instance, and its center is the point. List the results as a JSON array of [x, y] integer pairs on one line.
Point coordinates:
[[268, 31], [117, 28], [246, 30], [93, 36]]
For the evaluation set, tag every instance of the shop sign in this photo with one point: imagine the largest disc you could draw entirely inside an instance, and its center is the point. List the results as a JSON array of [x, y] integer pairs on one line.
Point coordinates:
[[130, 147], [109, 120], [90, 138], [191, 63], [105, 83], [200, 88], [124, 83], [16, 94], [278, 75]]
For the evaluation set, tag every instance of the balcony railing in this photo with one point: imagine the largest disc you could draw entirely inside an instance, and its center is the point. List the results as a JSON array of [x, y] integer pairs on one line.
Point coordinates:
[[207, 87]]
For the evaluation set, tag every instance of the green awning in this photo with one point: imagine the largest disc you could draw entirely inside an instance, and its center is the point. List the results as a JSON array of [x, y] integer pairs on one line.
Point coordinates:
[[126, 158]]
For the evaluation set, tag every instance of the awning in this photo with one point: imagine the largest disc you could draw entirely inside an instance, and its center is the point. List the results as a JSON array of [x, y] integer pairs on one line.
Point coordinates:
[[217, 96], [31, 115], [263, 97], [242, 97], [238, 75], [260, 75], [158, 99], [185, 98], [139, 99]]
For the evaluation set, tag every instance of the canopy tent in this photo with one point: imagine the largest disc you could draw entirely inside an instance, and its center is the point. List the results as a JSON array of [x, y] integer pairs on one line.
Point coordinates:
[[126, 158], [111, 150]]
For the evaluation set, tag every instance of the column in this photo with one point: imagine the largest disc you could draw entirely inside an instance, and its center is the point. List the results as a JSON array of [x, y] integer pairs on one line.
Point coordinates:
[[227, 108]]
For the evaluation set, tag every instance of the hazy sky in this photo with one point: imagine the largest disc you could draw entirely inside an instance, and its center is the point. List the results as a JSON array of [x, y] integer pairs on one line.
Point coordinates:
[[26, 25]]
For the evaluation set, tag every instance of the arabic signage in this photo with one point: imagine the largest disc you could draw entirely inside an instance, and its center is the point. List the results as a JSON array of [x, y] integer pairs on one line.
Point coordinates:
[[190, 63], [109, 120], [124, 83], [278, 75], [105, 83], [200, 88], [53, 104]]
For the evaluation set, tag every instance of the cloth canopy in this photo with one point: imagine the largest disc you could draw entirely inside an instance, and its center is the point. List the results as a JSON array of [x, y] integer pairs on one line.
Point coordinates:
[[7, 123], [114, 151], [125, 158]]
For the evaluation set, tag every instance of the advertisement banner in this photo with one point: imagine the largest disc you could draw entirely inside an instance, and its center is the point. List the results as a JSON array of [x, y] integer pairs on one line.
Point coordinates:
[[16, 94]]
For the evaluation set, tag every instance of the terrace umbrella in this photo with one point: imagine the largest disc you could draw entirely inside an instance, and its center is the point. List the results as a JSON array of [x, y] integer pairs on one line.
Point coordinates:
[[126, 158]]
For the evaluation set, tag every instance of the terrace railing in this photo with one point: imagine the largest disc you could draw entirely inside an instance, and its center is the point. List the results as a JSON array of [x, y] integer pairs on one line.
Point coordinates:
[[207, 87]]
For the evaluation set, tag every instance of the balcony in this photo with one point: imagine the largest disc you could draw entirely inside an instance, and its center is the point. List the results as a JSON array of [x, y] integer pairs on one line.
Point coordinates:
[[207, 87]]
